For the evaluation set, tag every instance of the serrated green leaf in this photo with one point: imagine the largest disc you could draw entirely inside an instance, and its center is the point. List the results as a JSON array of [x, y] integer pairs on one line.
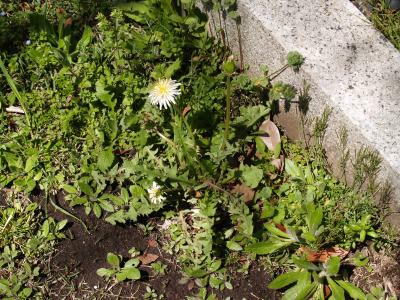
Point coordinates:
[[251, 175], [105, 159]]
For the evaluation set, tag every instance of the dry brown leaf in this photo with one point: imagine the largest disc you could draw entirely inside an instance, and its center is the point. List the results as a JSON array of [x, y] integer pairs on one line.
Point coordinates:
[[190, 285], [324, 254], [248, 193], [152, 243], [186, 110], [148, 258], [273, 137], [280, 227], [68, 22], [279, 162], [198, 194]]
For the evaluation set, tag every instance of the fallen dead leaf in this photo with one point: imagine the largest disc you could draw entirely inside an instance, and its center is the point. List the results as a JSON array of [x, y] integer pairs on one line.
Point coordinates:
[[281, 227], [152, 243], [273, 137], [327, 291], [148, 258], [324, 254], [186, 110], [248, 193]]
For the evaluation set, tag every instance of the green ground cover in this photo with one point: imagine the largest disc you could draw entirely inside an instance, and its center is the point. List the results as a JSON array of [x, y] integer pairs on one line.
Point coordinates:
[[386, 20], [142, 114]]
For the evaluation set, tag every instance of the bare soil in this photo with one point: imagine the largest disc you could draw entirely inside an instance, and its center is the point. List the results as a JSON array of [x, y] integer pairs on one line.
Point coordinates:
[[76, 260]]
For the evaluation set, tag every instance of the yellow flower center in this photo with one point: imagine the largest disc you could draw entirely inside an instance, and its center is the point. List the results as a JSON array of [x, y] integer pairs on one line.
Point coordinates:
[[162, 89]]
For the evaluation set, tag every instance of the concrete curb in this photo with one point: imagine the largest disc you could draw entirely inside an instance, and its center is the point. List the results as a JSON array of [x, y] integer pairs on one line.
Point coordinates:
[[350, 66]]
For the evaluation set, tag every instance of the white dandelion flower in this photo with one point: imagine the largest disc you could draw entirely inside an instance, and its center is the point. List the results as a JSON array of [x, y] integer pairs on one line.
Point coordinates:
[[155, 195], [164, 93]]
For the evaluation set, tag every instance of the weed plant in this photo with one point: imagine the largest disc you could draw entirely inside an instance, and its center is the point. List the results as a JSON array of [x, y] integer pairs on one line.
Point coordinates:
[[27, 241], [198, 153]]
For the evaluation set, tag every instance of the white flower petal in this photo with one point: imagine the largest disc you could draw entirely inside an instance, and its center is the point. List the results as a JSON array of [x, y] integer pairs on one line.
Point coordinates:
[[164, 93]]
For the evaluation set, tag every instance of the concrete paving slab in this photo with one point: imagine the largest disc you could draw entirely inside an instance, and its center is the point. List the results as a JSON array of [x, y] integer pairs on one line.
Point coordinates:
[[350, 66]]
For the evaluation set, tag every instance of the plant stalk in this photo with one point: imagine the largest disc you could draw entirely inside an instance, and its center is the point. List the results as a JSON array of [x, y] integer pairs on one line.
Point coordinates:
[[227, 112]]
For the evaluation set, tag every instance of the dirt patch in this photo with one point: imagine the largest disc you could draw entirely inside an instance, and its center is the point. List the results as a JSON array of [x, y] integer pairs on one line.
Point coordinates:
[[383, 270], [76, 260]]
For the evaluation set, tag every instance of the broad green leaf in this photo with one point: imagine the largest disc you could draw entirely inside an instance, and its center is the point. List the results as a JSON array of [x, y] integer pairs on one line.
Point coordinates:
[[97, 210], [337, 291], [4, 285], [228, 285], [172, 68], [107, 206], [104, 94], [86, 38], [196, 273], [215, 266], [284, 280], [274, 230], [251, 175], [103, 272], [352, 290], [233, 246], [333, 265], [300, 290], [113, 259], [105, 159], [292, 169], [249, 115], [31, 162], [316, 219], [61, 224], [267, 247], [26, 292], [304, 264], [46, 228], [120, 276], [131, 273], [133, 262], [85, 187], [69, 189]]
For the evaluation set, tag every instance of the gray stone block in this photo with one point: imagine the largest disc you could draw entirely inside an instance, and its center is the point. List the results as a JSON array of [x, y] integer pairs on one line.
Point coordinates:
[[350, 66]]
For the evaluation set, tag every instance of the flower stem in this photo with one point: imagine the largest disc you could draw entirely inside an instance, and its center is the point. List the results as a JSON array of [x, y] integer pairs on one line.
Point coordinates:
[[227, 112]]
